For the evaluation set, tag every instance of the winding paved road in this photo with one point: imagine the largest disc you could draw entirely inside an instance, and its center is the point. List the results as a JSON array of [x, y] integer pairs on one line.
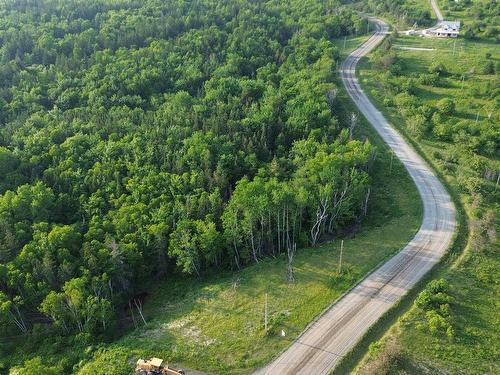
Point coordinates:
[[334, 333]]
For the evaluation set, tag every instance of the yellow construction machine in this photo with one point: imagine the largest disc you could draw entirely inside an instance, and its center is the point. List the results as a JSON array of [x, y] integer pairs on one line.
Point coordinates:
[[155, 366]]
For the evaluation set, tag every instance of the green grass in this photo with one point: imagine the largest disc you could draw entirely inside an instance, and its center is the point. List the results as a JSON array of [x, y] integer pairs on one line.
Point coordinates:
[[351, 43], [473, 278], [475, 348], [217, 325]]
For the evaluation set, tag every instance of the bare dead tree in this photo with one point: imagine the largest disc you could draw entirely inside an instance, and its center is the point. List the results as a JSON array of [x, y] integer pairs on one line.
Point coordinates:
[[365, 206], [331, 95], [352, 124], [17, 318], [138, 305], [321, 215], [291, 250], [236, 254], [254, 248], [132, 313], [338, 202], [278, 233]]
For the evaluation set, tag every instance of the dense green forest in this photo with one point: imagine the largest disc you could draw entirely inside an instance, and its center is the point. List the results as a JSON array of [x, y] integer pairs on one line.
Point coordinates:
[[140, 140]]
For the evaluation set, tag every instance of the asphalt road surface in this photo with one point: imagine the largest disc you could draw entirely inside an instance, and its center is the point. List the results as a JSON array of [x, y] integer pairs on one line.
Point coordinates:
[[334, 333]]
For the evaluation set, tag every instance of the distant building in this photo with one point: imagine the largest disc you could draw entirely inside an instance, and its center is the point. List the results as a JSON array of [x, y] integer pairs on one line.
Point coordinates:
[[445, 29]]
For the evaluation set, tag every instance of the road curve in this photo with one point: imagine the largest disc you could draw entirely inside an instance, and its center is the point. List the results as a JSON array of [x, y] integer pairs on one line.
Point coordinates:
[[334, 333]]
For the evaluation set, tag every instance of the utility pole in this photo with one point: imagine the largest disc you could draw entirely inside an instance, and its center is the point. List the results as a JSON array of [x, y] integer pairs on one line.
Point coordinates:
[[345, 40], [498, 179], [341, 251], [477, 117], [265, 315]]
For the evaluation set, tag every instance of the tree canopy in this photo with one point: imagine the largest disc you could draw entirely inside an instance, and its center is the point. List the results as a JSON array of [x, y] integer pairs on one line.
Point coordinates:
[[144, 138]]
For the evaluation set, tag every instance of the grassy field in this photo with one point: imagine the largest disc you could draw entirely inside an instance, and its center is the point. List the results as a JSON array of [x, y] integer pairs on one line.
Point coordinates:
[[473, 348], [348, 44], [217, 325]]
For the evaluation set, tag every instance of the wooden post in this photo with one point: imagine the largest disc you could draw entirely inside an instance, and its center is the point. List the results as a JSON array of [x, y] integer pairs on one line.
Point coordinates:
[[341, 250], [265, 315]]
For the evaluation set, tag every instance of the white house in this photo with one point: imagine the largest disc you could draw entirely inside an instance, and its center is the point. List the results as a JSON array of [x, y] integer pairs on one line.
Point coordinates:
[[445, 29]]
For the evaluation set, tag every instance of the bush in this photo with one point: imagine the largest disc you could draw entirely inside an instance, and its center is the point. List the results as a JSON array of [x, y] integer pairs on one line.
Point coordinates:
[[405, 101], [438, 68], [469, 33], [446, 106], [426, 111], [385, 360], [423, 300], [439, 285], [431, 79], [439, 324], [435, 301], [35, 366], [386, 61], [434, 295], [417, 125], [488, 68]]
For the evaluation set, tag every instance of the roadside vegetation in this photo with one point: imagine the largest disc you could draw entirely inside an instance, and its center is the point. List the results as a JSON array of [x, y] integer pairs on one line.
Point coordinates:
[[409, 13], [446, 100], [160, 164]]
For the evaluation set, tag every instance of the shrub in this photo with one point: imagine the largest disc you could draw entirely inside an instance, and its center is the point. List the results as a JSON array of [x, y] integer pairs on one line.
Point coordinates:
[[439, 285], [488, 68], [439, 324], [423, 300], [434, 296], [431, 79], [35, 366], [435, 301], [385, 360], [417, 125], [438, 68], [469, 33], [446, 106], [405, 101], [426, 111]]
